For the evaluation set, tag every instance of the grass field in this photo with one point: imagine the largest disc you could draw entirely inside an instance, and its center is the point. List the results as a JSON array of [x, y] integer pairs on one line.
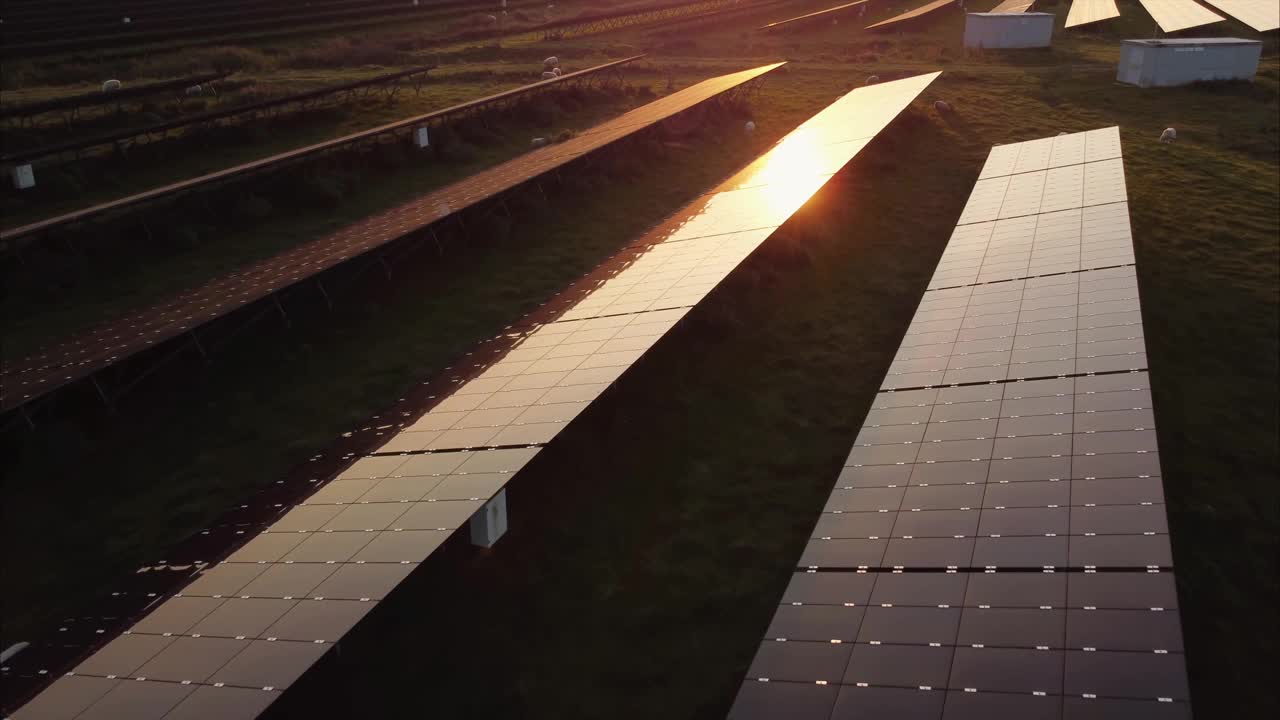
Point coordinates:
[[650, 543]]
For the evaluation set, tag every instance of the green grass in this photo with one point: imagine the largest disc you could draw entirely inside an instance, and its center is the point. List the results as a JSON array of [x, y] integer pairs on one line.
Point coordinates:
[[650, 543]]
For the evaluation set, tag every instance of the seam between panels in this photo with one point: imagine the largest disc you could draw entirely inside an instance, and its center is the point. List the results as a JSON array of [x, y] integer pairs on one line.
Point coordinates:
[[955, 639], [880, 564], [1071, 482], [1030, 277]]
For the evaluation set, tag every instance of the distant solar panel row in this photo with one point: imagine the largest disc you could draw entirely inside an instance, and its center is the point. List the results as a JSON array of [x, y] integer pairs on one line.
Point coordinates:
[[1261, 15], [251, 625], [83, 28], [812, 15], [913, 14], [1175, 15], [207, 118], [98, 97], [114, 341], [1013, 6], [1084, 12], [996, 545], [10, 236]]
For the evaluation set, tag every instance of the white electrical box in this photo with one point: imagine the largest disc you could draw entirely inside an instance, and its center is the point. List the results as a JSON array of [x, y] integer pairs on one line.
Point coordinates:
[[420, 137], [23, 177], [490, 521]]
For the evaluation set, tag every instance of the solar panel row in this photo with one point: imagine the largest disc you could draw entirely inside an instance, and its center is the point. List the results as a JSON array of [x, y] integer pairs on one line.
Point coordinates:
[[204, 119], [1175, 15], [1013, 6], [996, 544], [1261, 15], [252, 624], [913, 14], [9, 236], [1084, 12], [97, 97], [116, 340], [810, 16]]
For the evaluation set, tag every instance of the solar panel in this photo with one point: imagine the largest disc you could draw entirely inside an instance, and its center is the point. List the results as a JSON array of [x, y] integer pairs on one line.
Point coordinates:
[[810, 16], [913, 14], [1084, 12], [10, 235], [119, 339], [1175, 15], [204, 119], [1013, 6], [259, 619], [97, 97], [996, 543], [1261, 15]]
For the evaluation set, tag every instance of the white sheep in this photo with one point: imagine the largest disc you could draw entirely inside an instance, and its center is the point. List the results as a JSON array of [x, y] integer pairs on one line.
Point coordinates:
[[538, 142], [111, 85], [549, 75], [872, 80], [552, 61], [1169, 135], [127, 20], [194, 90], [942, 106], [750, 126], [555, 71], [490, 19], [1064, 132]]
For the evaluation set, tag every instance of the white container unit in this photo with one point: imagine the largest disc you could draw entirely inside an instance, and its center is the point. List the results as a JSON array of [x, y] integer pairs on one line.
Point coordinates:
[[1179, 61], [1008, 30]]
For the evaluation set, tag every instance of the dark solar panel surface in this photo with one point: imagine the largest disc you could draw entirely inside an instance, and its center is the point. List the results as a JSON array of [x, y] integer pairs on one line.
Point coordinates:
[[996, 544], [249, 626]]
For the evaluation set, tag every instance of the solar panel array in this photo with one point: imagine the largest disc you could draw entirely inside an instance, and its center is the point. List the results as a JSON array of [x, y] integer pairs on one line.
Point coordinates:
[[1175, 15], [119, 339], [996, 544], [248, 627], [1261, 15], [98, 97], [1084, 12], [913, 14], [1013, 6], [810, 16], [208, 118], [9, 235]]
